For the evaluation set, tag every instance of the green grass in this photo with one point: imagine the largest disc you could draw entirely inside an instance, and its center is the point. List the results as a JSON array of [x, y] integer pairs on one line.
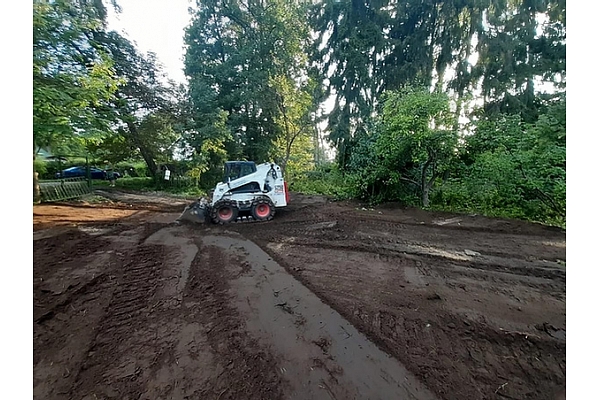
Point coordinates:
[[146, 184], [186, 191], [332, 185]]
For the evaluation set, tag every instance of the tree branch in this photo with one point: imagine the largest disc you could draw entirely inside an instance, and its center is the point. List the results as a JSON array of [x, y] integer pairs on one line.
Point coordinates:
[[434, 176], [402, 178], [545, 198], [550, 202]]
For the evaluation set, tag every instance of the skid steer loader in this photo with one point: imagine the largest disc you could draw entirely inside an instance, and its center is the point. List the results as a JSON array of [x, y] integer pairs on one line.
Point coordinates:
[[247, 192]]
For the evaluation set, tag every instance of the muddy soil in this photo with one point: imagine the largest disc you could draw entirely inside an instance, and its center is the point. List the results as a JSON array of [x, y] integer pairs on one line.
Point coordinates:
[[328, 300]]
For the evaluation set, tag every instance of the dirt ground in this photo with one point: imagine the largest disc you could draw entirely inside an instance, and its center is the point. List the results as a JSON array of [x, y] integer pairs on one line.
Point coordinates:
[[327, 301]]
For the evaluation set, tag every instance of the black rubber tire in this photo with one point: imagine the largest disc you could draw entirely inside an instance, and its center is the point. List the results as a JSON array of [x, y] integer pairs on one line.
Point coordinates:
[[258, 209], [217, 213]]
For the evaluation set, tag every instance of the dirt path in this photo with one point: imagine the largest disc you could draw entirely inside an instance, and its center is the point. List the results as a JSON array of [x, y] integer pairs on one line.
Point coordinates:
[[316, 348], [325, 301]]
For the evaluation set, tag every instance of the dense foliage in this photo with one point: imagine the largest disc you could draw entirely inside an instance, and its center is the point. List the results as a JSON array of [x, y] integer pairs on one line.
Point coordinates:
[[457, 105], [72, 76], [507, 167]]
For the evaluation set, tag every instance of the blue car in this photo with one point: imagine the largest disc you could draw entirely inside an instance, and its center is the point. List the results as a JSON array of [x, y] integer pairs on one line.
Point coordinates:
[[75, 172]]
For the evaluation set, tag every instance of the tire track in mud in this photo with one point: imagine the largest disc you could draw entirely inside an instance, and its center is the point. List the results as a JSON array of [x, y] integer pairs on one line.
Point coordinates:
[[78, 276], [244, 368], [538, 269], [154, 332], [135, 288], [500, 239], [95, 284], [319, 352], [67, 322], [496, 226], [484, 357], [134, 284], [457, 357], [468, 325], [502, 247]]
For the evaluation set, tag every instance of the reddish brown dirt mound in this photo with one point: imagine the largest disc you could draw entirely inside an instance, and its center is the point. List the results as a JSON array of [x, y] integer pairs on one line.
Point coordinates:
[[46, 216]]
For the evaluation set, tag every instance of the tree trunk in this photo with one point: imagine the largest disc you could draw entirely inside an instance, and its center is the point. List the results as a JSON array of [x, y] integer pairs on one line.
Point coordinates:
[[146, 153], [424, 184], [425, 197], [288, 152], [317, 147], [284, 165], [37, 195]]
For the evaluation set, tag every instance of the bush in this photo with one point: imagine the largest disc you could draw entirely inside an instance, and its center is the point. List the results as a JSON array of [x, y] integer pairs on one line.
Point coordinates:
[[41, 168], [135, 183], [132, 169], [325, 181]]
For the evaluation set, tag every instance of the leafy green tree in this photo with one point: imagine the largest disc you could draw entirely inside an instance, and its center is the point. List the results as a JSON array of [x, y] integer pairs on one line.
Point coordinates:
[[236, 52], [417, 129], [94, 90], [350, 37], [520, 44], [412, 144], [366, 48], [111, 148], [73, 77], [296, 118], [144, 109], [517, 169]]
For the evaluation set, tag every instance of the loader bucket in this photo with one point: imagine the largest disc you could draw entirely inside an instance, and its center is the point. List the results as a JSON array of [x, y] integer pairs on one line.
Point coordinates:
[[197, 212]]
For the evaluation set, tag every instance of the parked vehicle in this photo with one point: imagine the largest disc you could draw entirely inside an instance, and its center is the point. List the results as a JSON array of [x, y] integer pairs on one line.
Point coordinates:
[[74, 172]]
